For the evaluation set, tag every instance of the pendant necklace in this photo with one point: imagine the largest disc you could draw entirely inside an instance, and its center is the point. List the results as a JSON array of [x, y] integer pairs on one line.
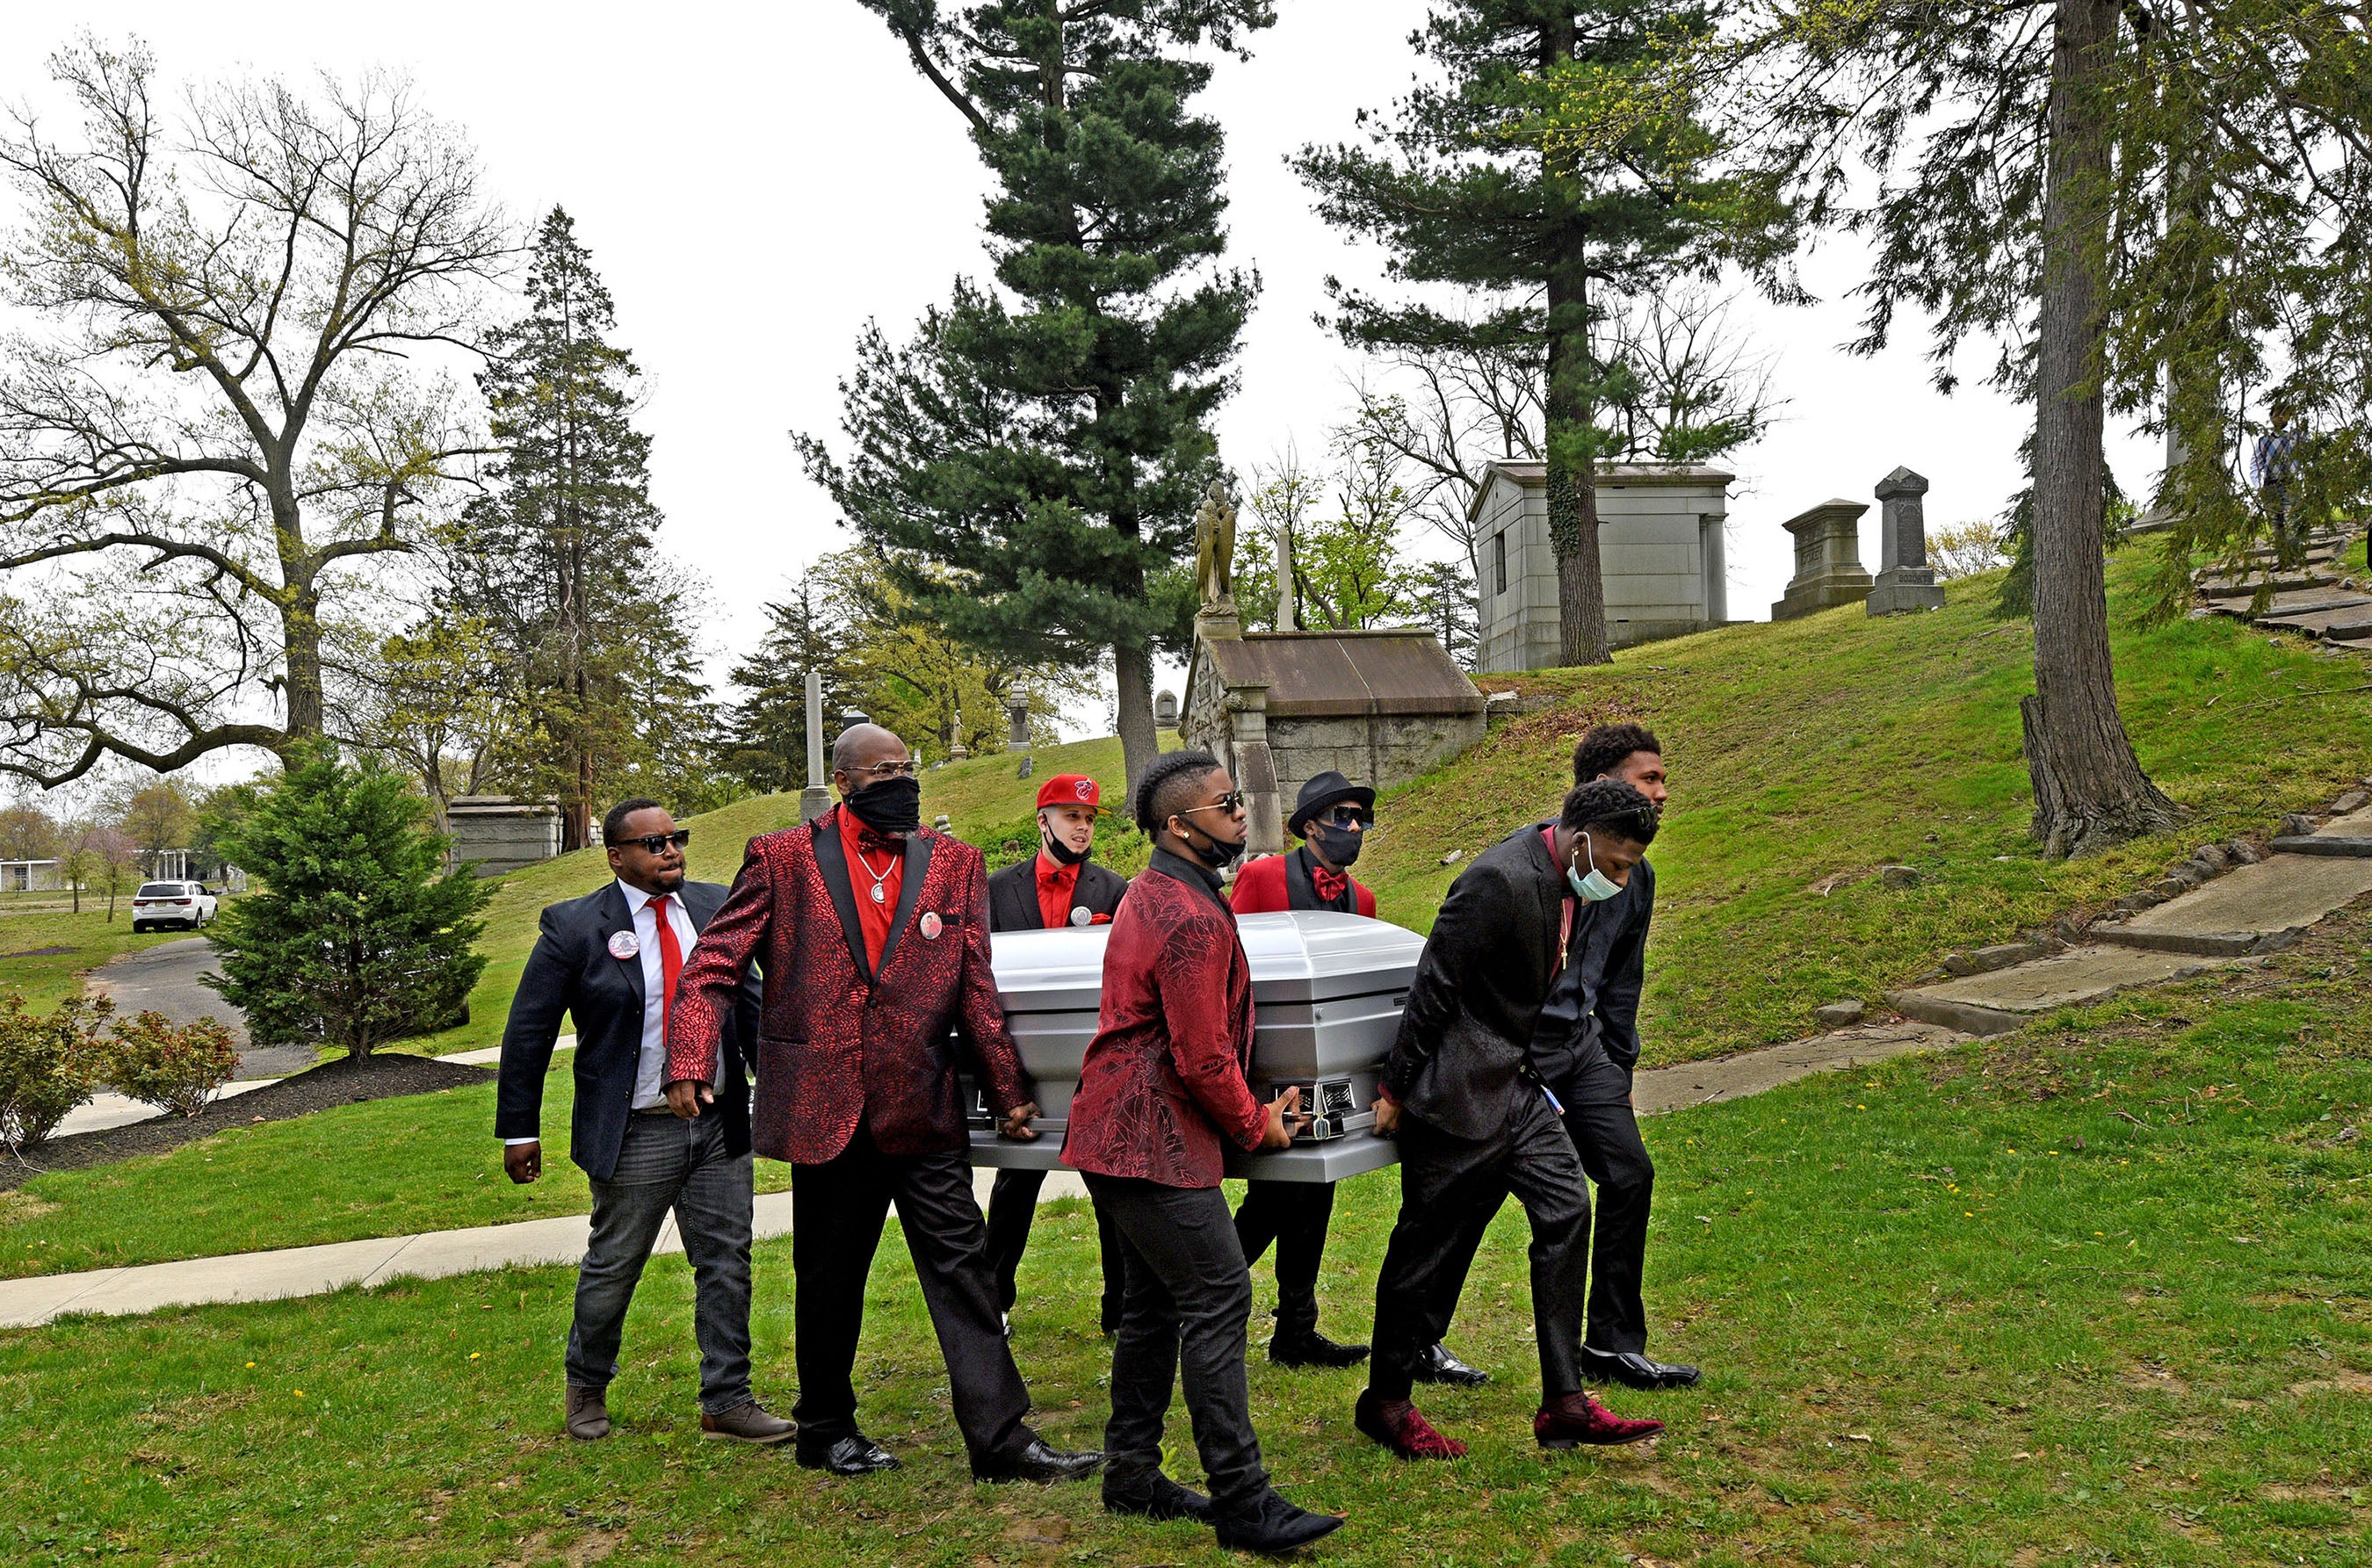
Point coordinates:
[[879, 877]]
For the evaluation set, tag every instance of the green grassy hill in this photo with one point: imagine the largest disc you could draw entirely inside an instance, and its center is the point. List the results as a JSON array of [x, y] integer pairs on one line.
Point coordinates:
[[1803, 757]]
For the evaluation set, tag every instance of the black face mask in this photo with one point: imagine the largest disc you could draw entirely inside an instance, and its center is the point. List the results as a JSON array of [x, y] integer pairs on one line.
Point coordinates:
[[1218, 856], [1340, 847], [1064, 854], [892, 807]]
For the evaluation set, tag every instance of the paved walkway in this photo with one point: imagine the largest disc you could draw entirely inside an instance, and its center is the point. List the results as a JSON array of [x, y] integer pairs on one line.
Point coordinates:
[[314, 1270], [164, 978]]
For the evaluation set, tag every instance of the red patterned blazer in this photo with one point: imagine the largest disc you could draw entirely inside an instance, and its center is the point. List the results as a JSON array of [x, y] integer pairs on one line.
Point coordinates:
[[837, 1044], [1163, 1080]]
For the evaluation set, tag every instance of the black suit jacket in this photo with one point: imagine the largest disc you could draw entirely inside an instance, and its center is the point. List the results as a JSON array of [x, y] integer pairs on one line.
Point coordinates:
[[571, 971], [1013, 895], [1459, 1058]]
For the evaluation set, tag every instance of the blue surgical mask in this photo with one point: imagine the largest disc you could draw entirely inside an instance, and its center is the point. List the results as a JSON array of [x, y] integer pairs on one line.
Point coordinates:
[[1596, 886]]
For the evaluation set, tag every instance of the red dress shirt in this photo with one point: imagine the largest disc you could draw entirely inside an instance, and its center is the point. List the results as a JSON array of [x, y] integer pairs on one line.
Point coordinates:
[[1259, 889], [1056, 883], [866, 854]]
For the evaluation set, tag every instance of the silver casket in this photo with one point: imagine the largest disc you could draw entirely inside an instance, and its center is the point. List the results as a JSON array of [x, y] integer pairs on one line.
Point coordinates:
[[1327, 992]]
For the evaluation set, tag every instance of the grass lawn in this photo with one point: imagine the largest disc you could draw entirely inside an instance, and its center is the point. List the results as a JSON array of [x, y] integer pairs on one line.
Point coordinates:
[[45, 945], [2091, 1293], [384, 1168], [1806, 756]]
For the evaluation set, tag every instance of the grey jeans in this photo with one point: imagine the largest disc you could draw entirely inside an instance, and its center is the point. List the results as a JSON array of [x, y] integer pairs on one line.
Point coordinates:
[[670, 1163]]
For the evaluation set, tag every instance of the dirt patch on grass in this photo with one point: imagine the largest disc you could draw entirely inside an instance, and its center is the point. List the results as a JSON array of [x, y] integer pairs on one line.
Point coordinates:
[[38, 953], [15, 1208], [2348, 1382], [344, 1082]]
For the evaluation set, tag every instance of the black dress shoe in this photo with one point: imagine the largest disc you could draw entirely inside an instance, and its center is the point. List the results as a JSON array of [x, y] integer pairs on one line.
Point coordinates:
[[1636, 1371], [1308, 1347], [1035, 1461], [1438, 1365], [1271, 1525], [854, 1454], [1153, 1496]]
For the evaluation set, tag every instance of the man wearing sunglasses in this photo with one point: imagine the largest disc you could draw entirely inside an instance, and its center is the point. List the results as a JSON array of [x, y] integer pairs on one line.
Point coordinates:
[[1331, 817], [613, 960], [872, 932]]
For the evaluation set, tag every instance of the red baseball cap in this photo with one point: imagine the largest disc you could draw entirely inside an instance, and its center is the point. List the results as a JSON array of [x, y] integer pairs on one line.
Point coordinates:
[[1070, 789]]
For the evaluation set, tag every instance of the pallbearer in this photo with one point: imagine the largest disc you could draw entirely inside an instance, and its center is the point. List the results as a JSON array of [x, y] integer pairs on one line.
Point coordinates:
[[1059, 886], [1161, 1094]]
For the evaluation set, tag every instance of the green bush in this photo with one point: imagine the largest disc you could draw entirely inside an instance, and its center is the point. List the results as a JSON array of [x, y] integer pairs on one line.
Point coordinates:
[[49, 1064], [356, 935], [175, 1067]]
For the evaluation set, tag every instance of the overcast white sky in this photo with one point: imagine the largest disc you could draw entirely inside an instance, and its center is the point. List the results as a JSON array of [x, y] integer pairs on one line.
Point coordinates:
[[757, 181]]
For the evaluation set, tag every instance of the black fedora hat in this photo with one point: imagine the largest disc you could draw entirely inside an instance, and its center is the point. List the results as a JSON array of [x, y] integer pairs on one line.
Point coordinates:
[[1328, 788]]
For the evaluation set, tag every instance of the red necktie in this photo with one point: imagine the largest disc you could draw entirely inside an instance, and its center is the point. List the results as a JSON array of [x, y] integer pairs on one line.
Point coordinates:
[[670, 959]]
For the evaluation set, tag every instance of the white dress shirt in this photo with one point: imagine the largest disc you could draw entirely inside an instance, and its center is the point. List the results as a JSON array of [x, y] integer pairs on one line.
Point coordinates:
[[650, 1065]]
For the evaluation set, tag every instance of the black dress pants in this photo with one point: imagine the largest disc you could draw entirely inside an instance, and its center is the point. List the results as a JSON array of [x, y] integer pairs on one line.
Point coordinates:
[[837, 1210], [1605, 1133], [1012, 1205], [1604, 1130], [1294, 1215], [1449, 1189], [1188, 1299]]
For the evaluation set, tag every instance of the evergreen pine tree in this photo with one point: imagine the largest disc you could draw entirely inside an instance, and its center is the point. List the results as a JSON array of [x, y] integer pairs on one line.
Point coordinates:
[[357, 934], [558, 557], [1031, 460], [766, 746], [1461, 193]]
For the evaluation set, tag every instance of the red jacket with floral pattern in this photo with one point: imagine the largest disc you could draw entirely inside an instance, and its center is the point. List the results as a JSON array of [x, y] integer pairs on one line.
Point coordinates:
[[838, 1046], [1163, 1080]]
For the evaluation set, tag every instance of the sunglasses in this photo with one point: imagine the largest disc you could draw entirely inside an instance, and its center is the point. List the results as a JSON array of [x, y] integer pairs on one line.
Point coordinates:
[[656, 844], [880, 770], [1233, 801], [1349, 817]]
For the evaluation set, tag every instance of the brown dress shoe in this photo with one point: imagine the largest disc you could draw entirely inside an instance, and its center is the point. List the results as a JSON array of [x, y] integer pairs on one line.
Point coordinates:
[[588, 1413], [748, 1424]]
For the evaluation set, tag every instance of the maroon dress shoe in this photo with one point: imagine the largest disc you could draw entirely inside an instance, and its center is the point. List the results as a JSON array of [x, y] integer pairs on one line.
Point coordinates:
[[1402, 1427], [1569, 1420]]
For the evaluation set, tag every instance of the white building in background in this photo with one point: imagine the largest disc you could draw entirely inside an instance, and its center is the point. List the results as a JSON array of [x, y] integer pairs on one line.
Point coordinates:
[[31, 877], [1659, 544]]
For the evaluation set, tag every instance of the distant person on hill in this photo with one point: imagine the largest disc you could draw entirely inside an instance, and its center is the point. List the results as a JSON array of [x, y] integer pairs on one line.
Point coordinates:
[[1059, 886], [872, 934], [2270, 466], [1161, 1094], [1467, 1092], [612, 961], [1331, 817]]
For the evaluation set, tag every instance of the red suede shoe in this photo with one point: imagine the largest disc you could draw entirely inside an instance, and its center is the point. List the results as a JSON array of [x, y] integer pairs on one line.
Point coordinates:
[[1402, 1427], [1570, 1420]]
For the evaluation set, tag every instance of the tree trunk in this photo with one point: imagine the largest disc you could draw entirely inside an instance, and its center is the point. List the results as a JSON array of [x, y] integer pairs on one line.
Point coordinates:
[[1132, 701], [2089, 791], [300, 641]]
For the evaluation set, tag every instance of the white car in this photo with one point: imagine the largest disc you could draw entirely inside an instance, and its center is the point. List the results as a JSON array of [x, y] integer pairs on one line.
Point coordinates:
[[161, 904]]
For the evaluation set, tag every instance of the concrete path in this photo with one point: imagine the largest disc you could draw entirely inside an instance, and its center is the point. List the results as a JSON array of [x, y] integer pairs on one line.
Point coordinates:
[[2009, 999], [1752, 1072]]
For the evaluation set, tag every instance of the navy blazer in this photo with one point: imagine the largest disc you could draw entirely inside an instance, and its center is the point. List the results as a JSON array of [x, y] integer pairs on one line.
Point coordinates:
[[571, 971]]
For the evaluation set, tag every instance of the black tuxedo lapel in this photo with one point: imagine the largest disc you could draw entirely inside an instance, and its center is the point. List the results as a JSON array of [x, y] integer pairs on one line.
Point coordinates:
[[700, 901], [910, 888], [615, 917], [832, 859]]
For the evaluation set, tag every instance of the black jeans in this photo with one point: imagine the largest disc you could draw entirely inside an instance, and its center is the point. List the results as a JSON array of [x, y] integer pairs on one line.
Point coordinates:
[[669, 1163], [1189, 1298], [837, 1210], [1449, 1189], [1294, 1215], [1012, 1204]]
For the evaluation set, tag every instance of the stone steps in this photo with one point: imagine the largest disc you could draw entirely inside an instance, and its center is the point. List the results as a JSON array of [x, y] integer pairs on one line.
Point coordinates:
[[2005, 1000]]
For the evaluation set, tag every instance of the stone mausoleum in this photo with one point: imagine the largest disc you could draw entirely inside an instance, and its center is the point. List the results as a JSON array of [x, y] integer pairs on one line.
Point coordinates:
[[501, 833], [1279, 707], [1659, 547]]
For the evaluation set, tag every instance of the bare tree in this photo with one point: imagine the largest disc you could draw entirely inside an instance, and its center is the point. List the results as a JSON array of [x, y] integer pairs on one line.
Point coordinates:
[[1693, 385], [215, 425], [1463, 410]]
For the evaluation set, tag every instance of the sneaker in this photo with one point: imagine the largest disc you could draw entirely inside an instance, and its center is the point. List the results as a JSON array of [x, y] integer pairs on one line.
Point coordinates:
[[1570, 1420], [1402, 1427]]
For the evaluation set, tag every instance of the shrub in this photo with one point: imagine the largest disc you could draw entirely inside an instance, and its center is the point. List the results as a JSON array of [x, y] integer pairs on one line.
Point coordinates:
[[177, 1068], [49, 1065], [357, 933]]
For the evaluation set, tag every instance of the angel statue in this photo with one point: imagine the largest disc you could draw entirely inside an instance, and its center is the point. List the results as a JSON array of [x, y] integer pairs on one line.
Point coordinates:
[[1214, 552]]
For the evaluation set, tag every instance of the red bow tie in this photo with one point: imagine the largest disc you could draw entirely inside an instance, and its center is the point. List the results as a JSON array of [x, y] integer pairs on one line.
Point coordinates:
[[1330, 884]]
